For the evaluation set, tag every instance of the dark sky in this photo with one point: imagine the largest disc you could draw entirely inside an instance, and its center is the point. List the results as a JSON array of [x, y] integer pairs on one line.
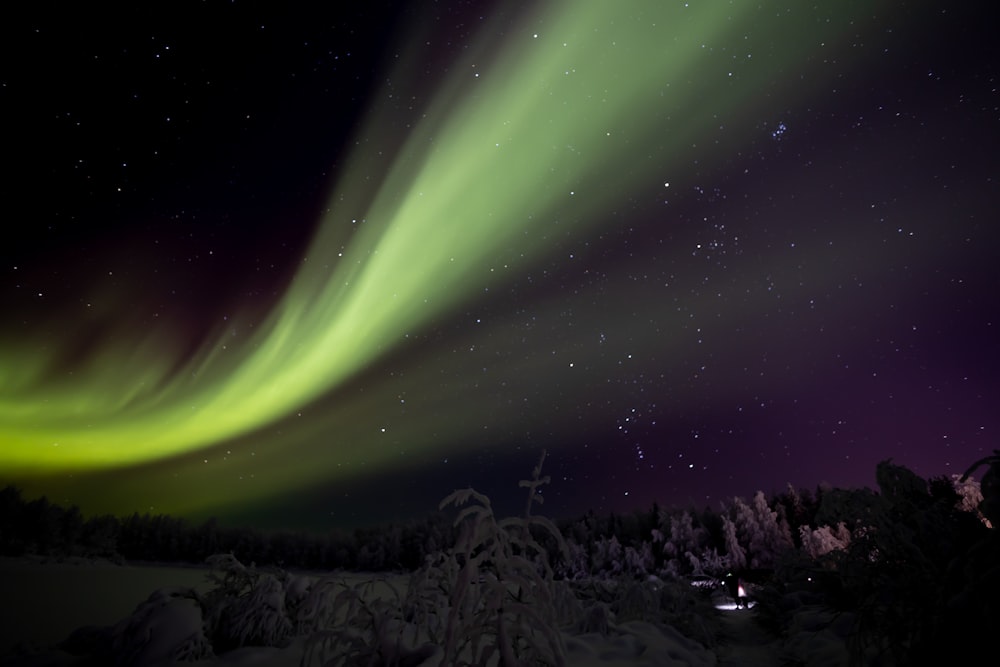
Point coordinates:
[[307, 265]]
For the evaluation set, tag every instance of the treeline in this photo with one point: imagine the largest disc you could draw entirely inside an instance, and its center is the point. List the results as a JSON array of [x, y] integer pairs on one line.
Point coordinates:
[[42, 528], [739, 535]]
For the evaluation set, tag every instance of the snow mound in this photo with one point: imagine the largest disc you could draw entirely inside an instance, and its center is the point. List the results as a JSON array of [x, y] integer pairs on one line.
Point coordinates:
[[166, 628], [638, 643]]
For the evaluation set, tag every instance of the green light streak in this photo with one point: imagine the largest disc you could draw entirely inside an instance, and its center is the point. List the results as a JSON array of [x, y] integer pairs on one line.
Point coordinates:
[[581, 106]]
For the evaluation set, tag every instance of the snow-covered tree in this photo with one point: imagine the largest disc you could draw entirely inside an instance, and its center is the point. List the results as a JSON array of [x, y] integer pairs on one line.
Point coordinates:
[[575, 567], [990, 487], [770, 539], [684, 536], [714, 563], [970, 492], [757, 531], [746, 528], [820, 541], [607, 556], [734, 552], [639, 562]]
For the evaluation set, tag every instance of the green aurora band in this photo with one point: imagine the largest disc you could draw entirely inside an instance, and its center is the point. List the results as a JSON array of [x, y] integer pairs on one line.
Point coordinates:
[[549, 122]]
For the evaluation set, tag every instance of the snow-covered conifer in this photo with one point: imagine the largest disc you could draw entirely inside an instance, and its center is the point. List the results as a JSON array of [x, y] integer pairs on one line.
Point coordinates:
[[734, 552], [639, 562], [821, 541]]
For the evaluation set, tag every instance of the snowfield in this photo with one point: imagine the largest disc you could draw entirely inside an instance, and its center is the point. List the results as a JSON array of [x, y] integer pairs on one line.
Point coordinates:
[[152, 621], [45, 600]]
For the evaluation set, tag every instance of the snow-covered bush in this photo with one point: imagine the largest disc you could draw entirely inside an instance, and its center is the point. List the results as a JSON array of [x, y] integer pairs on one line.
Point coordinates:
[[256, 618], [247, 607], [368, 625], [230, 576]]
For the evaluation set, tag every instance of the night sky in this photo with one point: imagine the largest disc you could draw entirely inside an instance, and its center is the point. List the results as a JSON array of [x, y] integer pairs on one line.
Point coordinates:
[[316, 265]]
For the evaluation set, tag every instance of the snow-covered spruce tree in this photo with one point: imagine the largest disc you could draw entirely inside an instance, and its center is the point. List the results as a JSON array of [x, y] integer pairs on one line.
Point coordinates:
[[771, 539], [746, 528], [758, 532], [734, 552], [683, 545]]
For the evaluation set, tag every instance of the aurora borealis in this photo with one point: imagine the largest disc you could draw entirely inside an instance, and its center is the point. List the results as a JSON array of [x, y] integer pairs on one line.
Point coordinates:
[[351, 262]]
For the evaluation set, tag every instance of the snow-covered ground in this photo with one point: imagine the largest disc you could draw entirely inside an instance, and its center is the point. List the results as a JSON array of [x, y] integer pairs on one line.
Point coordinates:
[[45, 602]]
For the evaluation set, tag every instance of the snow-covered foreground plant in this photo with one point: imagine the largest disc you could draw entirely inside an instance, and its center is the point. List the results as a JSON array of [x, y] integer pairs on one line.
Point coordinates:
[[492, 598], [247, 608], [365, 625], [489, 599]]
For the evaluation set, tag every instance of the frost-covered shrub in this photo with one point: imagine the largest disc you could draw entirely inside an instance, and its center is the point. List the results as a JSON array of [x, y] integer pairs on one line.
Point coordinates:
[[247, 606], [230, 576], [256, 618], [369, 623], [314, 610]]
